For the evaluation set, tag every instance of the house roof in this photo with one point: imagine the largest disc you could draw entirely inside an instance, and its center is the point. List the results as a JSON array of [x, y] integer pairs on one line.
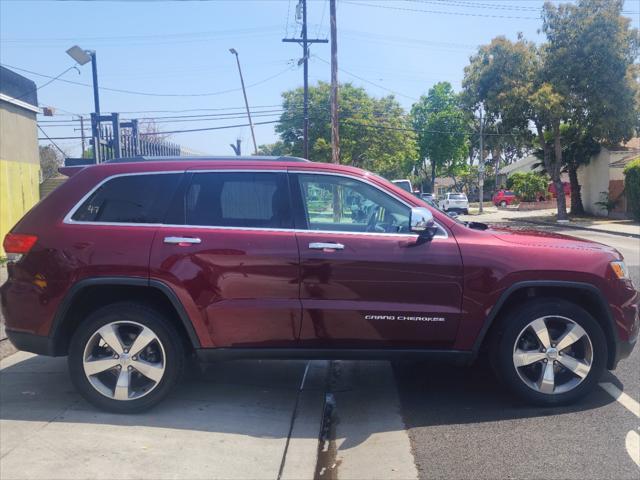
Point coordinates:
[[18, 90], [525, 164], [624, 161]]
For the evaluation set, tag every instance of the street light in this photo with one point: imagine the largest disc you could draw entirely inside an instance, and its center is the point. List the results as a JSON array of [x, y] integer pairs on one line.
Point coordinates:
[[83, 57], [246, 102]]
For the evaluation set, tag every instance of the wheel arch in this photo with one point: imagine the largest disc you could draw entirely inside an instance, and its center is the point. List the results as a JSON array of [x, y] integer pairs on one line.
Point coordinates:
[[90, 293], [584, 295]]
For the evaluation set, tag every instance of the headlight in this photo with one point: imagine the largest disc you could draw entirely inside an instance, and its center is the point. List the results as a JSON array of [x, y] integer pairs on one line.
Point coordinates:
[[620, 269]]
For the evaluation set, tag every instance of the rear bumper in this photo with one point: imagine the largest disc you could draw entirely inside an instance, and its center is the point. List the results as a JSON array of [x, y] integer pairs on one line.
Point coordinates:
[[29, 342]]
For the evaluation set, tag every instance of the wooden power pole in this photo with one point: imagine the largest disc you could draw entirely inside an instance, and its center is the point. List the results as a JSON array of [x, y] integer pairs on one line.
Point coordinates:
[[305, 42], [335, 134]]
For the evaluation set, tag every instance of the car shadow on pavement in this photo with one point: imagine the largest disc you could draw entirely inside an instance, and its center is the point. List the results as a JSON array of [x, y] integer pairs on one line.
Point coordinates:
[[257, 398], [254, 398], [437, 394]]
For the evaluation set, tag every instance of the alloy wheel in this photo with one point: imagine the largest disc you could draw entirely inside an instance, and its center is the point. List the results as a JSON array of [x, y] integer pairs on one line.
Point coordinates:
[[124, 360], [553, 355]]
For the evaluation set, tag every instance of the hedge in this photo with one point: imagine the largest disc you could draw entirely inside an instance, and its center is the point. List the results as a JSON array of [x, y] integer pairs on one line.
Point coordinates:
[[632, 187]]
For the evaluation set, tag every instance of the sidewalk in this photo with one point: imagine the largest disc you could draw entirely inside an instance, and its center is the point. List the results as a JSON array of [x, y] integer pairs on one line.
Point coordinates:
[[626, 228], [239, 420]]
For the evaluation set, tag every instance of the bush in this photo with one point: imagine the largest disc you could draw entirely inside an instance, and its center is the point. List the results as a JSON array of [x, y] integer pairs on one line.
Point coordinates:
[[632, 187], [528, 186]]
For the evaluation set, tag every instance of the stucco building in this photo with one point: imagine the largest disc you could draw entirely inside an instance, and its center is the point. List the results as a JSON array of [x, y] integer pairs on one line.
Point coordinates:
[[603, 178], [19, 157]]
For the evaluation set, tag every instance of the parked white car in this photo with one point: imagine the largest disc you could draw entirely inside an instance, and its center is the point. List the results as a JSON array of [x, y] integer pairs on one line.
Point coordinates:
[[456, 202], [404, 184]]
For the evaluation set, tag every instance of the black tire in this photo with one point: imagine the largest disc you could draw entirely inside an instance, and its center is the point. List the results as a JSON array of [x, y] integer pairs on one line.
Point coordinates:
[[466, 211], [504, 340], [503, 204], [161, 326]]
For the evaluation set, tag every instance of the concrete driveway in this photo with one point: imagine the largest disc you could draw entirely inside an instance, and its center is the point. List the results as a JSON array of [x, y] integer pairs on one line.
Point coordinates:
[[242, 419]]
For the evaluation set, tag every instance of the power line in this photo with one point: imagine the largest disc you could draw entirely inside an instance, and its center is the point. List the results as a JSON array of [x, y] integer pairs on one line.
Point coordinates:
[[465, 14], [367, 81], [160, 36], [324, 10], [53, 79], [51, 140], [150, 94], [173, 131]]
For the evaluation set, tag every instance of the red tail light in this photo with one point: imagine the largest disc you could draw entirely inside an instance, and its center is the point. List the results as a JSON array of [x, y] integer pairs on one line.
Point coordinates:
[[18, 243]]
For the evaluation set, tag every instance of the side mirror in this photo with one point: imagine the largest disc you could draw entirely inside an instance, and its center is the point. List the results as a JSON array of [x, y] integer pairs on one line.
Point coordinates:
[[422, 222]]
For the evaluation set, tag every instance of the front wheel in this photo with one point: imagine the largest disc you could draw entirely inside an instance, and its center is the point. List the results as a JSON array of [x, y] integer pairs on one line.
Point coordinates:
[[550, 352], [503, 204], [125, 357]]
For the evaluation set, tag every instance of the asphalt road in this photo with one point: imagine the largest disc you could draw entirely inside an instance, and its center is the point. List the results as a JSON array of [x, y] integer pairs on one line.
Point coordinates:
[[462, 424]]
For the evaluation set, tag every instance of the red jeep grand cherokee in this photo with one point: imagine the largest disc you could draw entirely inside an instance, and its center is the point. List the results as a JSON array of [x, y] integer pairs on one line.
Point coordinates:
[[132, 267]]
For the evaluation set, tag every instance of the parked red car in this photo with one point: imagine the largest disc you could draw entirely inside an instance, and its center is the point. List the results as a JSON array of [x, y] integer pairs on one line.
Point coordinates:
[[503, 198], [132, 267]]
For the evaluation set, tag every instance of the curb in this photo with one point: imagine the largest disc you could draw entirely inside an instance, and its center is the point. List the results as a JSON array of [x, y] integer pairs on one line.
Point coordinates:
[[575, 227], [300, 458]]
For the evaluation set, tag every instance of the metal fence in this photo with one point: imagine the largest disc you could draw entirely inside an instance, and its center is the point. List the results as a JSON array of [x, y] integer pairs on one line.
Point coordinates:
[[123, 139], [113, 139]]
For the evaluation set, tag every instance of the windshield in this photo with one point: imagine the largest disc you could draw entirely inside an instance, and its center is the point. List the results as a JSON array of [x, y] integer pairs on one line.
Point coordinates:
[[457, 196], [403, 184]]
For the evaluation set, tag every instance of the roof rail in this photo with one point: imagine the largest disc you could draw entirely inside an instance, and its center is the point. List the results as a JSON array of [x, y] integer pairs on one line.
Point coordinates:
[[255, 158]]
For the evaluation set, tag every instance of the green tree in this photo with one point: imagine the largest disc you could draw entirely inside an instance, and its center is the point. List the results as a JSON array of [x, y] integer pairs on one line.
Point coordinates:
[[276, 149], [442, 125], [50, 161], [510, 80], [374, 132], [528, 186], [632, 187], [589, 58], [579, 147]]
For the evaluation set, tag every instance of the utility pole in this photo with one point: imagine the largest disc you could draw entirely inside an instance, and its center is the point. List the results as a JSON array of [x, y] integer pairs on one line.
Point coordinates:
[[335, 134], [481, 166], [82, 135], [95, 119], [305, 42], [246, 102]]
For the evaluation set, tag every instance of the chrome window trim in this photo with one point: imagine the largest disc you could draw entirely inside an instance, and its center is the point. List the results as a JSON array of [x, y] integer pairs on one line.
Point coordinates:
[[68, 220]]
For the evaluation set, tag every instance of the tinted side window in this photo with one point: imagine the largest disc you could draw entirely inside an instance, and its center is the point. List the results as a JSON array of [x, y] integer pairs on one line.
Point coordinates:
[[129, 199], [237, 199], [343, 204]]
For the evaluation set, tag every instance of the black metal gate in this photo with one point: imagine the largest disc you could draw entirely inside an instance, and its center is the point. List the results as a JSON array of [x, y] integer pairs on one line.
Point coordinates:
[[113, 139]]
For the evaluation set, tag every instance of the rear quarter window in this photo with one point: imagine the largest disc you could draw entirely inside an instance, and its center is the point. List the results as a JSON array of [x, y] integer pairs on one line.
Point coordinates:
[[129, 199]]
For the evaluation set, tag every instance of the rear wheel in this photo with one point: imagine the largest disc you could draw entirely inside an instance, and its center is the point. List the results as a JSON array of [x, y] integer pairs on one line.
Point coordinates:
[[503, 203], [550, 352], [125, 357]]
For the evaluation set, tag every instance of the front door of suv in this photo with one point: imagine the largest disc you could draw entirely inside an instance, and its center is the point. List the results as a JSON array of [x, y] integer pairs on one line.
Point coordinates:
[[366, 280], [228, 250]]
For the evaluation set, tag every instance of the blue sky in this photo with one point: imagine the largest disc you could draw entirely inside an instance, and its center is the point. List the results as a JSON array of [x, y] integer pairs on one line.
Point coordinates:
[[178, 48]]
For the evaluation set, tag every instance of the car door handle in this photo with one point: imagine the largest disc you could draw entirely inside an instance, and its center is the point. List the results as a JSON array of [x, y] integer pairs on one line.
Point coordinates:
[[182, 240], [326, 246]]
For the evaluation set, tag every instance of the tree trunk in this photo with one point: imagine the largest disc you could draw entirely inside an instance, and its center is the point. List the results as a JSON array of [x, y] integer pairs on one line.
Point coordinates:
[[433, 177], [557, 181], [576, 196], [553, 168]]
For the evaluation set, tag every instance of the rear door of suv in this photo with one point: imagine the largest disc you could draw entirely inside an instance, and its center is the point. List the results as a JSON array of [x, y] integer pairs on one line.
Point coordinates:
[[366, 279], [228, 250]]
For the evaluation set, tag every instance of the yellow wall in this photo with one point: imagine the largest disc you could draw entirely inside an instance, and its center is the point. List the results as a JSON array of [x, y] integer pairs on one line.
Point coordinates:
[[19, 165], [19, 192]]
